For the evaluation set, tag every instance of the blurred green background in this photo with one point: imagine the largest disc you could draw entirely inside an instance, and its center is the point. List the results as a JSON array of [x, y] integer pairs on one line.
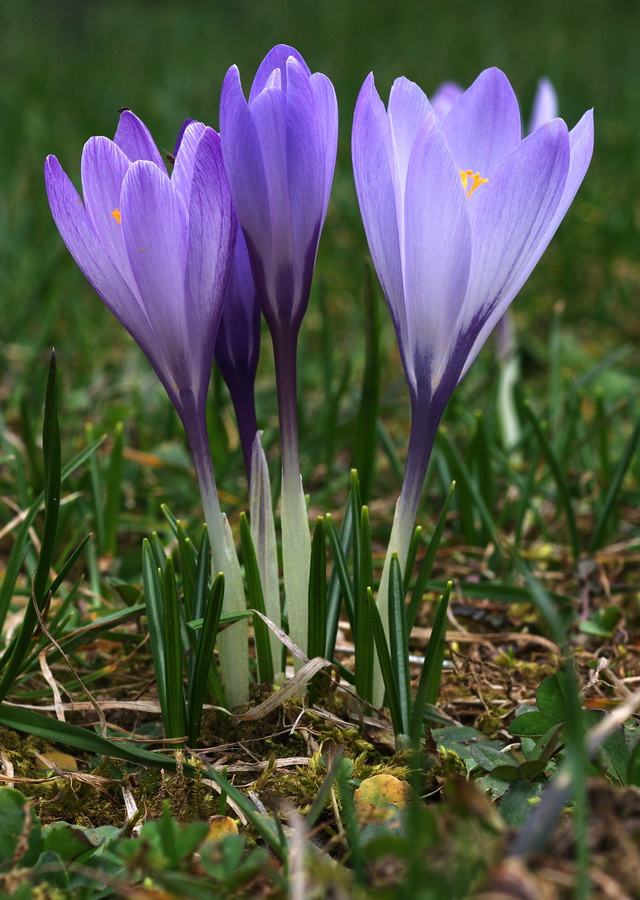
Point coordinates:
[[68, 65]]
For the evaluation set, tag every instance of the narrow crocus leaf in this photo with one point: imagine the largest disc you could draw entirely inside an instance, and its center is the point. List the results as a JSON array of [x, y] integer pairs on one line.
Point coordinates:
[[263, 535], [256, 601]]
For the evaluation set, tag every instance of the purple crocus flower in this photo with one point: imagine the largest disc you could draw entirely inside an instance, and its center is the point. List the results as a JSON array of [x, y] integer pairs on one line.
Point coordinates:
[[238, 346], [279, 150], [545, 108], [457, 213], [158, 251]]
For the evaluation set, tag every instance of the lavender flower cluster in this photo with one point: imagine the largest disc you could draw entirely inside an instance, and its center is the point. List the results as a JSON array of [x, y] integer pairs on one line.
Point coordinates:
[[457, 208]]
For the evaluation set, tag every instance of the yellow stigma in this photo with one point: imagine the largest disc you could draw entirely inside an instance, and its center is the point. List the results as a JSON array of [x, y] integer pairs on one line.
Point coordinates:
[[116, 214], [473, 179]]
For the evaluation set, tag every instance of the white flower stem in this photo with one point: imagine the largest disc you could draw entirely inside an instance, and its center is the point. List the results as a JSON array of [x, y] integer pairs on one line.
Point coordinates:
[[233, 642], [296, 541]]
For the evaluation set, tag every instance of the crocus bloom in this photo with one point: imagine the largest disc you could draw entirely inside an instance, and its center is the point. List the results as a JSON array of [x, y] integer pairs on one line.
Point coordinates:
[[238, 346], [457, 212], [279, 151], [545, 108], [158, 252]]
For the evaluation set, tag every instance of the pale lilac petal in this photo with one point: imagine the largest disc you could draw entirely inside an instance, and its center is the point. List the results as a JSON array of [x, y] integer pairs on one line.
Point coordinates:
[[581, 148], [327, 111], [545, 105], [373, 160], [182, 174], [212, 228], [155, 229], [134, 139], [445, 97], [306, 177], [437, 250], [94, 261], [244, 165], [269, 113], [408, 108], [510, 227], [275, 59], [484, 125], [103, 168]]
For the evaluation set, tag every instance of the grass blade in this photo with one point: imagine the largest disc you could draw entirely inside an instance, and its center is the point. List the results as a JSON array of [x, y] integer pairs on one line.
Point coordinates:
[[31, 722], [425, 570], [203, 660], [175, 717], [52, 483], [392, 694], [114, 490], [431, 675], [558, 475], [340, 584], [399, 640], [608, 506], [256, 601], [154, 604], [318, 592], [362, 637], [414, 544]]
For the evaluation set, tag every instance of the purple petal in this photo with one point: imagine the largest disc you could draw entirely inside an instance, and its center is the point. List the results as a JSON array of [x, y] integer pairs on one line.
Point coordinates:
[[212, 233], [181, 132], [510, 227], [306, 176], [275, 59], [94, 261], [545, 105], [155, 229], [408, 108], [269, 112], [581, 148], [446, 96], [244, 165], [103, 169], [375, 178], [134, 139], [437, 250], [484, 125], [182, 174], [238, 340], [327, 111]]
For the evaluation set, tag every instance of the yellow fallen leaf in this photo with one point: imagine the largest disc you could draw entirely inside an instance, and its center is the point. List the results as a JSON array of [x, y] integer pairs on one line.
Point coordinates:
[[379, 798]]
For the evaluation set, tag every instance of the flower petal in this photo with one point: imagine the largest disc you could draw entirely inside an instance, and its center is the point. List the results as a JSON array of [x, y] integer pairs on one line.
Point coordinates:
[[545, 105], [94, 261], [275, 59], [510, 228], [212, 233], [103, 168], [269, 112], [327, 110], [182, 174], [245, 170], [483, 127], [134, 139], [446, 95], [375, 178], [408, 108], [155, 229], [437, 251]]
